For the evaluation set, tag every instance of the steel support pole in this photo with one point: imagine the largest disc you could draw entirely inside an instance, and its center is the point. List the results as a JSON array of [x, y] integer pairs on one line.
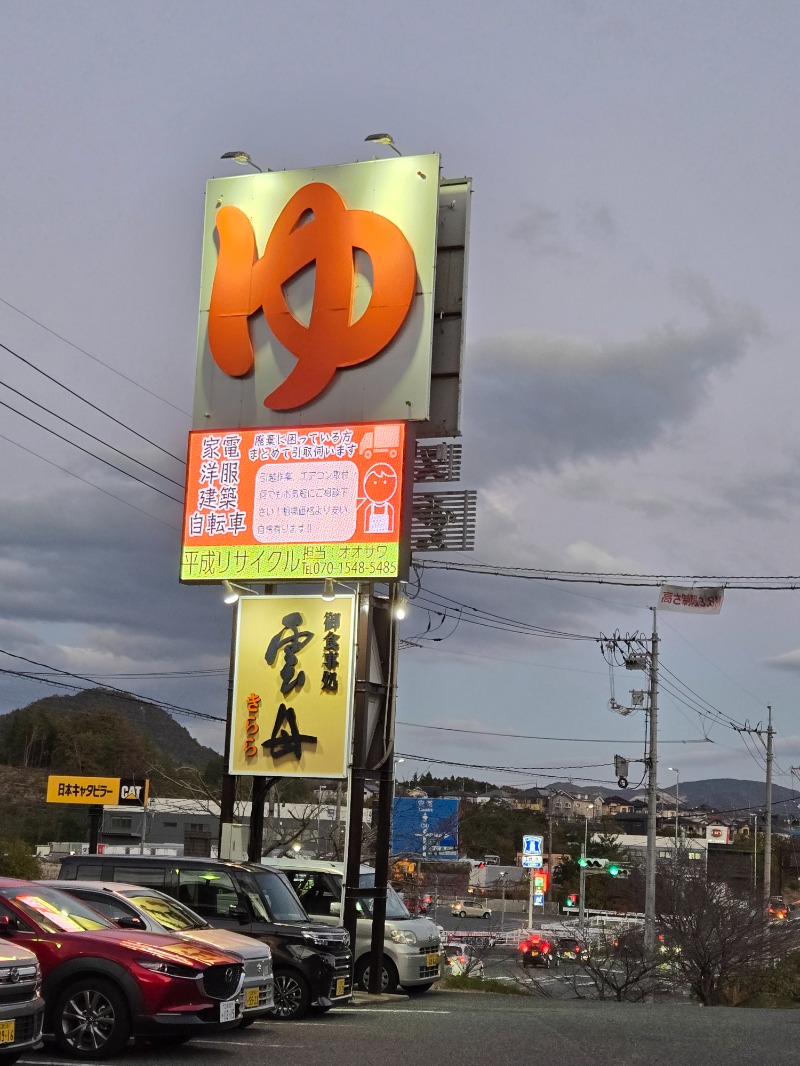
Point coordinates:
[[582, 878], [355, 796], [652, 801], [228, 791], [768, 821], [385, 796]]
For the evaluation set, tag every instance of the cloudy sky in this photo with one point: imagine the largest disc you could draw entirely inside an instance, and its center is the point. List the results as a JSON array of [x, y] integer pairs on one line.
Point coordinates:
[[632, 337]]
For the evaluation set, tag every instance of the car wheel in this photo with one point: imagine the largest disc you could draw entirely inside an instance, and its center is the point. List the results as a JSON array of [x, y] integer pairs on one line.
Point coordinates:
[[416, 990], [488, 915], [389, 976], [462, 914], [91, 1019], [292, 995]]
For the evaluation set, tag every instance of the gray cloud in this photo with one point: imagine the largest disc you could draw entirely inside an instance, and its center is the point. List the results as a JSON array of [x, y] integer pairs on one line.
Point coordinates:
[[539, 228], [541, 401], [789, 660], [545, 232]]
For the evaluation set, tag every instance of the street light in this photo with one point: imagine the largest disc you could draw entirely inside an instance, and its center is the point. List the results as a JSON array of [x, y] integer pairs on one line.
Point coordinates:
[[677, 773], [503, 912], [383, 138], [244, 160]]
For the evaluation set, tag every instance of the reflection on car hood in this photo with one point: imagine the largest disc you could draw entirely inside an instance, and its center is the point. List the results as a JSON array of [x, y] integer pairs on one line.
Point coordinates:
[[15, 953], [227, 940], [165, 946]]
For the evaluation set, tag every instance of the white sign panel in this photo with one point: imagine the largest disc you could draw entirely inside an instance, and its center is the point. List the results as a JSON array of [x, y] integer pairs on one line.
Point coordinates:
[[707, 600], [317, 295], [532, 852]]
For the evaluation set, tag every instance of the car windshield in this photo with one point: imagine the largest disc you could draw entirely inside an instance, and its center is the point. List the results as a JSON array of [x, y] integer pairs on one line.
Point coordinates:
[[279, 896], [52, 911], [395, 908], [169, 913]]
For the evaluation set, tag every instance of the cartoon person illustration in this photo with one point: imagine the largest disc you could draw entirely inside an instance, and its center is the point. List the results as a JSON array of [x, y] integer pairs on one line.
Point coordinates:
[[380, 484]]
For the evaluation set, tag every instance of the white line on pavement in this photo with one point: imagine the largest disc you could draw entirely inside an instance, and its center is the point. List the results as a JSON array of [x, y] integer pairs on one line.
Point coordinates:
[[389, 1010]]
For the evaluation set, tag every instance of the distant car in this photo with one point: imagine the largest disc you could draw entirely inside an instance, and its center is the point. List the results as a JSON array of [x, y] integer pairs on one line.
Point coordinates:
[[567, 947], [472, 908], [132, 907], [536, 950], [777, 911], [462, 961], [102, 984]]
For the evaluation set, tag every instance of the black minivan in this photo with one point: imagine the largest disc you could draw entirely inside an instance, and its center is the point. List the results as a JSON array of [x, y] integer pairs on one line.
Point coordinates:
[[312, 962]]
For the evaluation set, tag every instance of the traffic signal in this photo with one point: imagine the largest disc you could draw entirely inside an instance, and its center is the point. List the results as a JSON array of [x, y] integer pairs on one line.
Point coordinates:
[[572, 900], [600, 866]]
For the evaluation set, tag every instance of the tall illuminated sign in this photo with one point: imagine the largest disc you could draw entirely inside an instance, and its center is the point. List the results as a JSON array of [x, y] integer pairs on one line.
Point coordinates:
[[293, 686], [317, 295], [303, 503]]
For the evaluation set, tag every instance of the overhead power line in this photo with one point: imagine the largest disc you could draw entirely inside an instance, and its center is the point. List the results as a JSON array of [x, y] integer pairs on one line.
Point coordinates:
[[86, 451], [91, 436], [526, 736], [769, 583], [91, 484], [94, 358], [121, 693]]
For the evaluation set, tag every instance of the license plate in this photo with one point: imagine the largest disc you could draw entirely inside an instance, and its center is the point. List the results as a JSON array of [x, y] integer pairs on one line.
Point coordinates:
[[7, 1032], [227, 1011], [432, 959], [251, 997], [340, 986]]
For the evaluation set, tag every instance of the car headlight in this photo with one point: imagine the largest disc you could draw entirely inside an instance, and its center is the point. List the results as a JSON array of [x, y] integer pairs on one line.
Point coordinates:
[[399, 936], [170, 969]]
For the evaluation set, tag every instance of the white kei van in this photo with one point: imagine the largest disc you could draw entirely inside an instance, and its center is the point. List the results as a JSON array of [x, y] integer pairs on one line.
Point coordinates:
[[411, 952]]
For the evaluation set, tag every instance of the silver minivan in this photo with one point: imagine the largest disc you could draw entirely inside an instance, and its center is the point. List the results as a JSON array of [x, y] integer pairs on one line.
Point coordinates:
[[411, 948]]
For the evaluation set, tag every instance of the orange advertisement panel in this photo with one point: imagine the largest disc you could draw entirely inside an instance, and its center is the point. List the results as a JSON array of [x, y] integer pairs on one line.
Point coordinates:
[[302, 503], [293, 686]]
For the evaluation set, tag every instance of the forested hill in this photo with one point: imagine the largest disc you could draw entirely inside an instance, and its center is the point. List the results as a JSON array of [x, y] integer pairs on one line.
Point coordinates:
[[97, 733]]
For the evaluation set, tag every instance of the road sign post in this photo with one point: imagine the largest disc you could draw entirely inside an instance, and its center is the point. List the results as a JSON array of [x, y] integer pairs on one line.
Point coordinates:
[[532, 858]]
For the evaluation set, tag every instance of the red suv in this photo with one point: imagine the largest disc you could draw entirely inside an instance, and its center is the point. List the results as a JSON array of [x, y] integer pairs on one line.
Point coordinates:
[[103, 985]]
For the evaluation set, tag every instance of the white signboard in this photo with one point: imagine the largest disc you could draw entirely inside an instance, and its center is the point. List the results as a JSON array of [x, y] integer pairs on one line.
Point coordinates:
[[532, 852], [706, 600], [316, 296]]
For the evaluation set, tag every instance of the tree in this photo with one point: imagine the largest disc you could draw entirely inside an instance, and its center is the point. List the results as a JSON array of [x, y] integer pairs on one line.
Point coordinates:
[[716, 936], [618, 965], [17, 861]]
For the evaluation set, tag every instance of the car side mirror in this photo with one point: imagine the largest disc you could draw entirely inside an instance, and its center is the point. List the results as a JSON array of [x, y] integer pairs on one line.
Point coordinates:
[[130, 921], [8, 926], [238, 913], [336, 909]]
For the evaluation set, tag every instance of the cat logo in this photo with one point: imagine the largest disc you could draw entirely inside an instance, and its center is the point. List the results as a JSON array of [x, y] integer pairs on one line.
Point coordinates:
[[133, 792]]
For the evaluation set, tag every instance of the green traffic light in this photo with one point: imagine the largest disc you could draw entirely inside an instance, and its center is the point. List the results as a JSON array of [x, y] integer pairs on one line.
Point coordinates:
[[613, 869], [583, 862]]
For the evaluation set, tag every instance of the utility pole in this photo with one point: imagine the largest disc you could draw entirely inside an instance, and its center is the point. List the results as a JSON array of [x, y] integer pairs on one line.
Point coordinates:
[[551, 865], [768, 826], [631, 652], [768, 746], [652, 800]]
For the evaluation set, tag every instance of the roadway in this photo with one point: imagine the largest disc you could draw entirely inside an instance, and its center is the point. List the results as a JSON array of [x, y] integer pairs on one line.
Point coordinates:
[[449, 1027]]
